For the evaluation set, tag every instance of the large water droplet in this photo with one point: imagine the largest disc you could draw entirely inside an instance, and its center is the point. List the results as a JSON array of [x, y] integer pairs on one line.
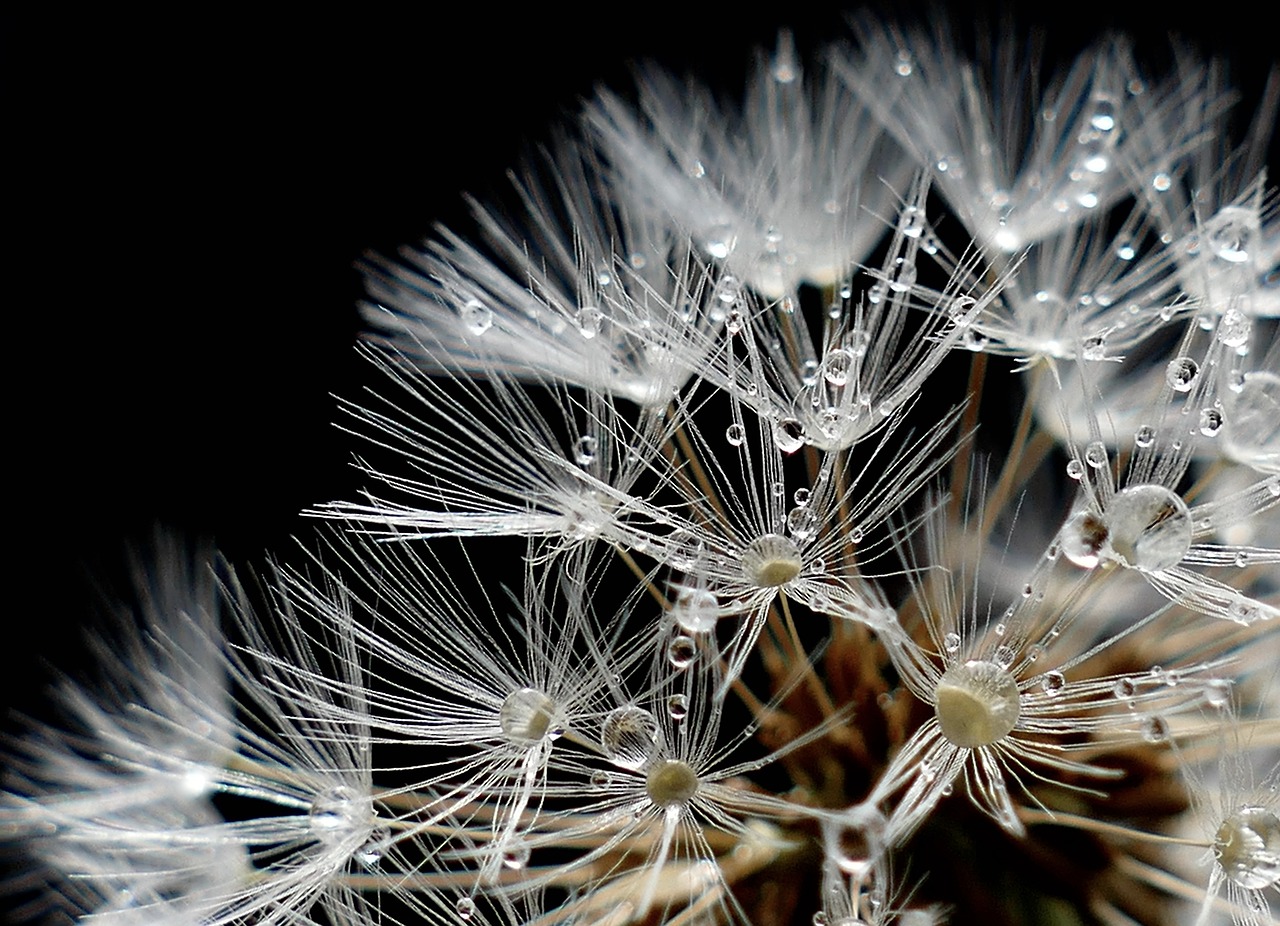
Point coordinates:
[[1252, 435], [1231, 233], [628, 736], [681, 652], [802, 521], [1149, 527], [1082, 539], [527, 716], [696, 610], [788, 434], [1247, 846]]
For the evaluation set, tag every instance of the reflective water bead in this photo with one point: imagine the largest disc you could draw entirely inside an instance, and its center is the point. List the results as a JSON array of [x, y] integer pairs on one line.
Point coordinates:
[[1247, 846], [1103, 118], [1094, 347], [1233, 328], [1145, 436], [975, 340], [476, 316], [836, 366], [1155, 730], [1231, 233], [589, 320], [857, 342], [678, 707], [681, 651], [1124, 689], [788, 434], [1096, 454], [904, 275], [801, 496], [976, 704], [951, 642], [1161, 182], [911, 221], [515, 857], [585, 450], [962, 309], [735, 434], [802, 521], [1083, 537], [720, 241], [1210, 422], [1253, 419], [465, 907], [527, 716], [1181, 373], [1075, 469], [696, 610], [733, 321], [628, 736], [1053, 682], [1149, 527], [337, 813]]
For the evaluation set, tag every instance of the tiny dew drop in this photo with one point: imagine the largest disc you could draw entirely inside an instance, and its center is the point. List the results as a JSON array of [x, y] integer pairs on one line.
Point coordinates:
[[1053, 682], [951, 642], [1210, 422], [1096, 455], [1181, 373], [681, 651], [515, 857], [1155, 730], [788, 434], [476, 316], [1124, 688], [802, 521], [465, 907], [585, 450], [1094, 347], [1233, 328], [1075, 469], [588, 320], [735, 434], [1145, 436], [678, 707]]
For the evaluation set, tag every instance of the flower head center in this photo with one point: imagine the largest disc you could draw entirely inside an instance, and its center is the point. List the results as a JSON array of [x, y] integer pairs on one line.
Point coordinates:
[[671, 782], [771, 560], [976, 704]]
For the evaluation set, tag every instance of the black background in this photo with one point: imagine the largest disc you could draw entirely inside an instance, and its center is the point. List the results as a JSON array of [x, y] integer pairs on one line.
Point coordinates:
[[187, 194]]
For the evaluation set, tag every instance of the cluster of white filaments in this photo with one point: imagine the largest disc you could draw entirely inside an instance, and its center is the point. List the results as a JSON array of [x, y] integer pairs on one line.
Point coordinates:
[[689, 575]]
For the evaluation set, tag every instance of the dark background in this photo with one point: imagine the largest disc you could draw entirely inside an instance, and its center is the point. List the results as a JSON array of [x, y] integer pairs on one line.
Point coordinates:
[[192, 190]]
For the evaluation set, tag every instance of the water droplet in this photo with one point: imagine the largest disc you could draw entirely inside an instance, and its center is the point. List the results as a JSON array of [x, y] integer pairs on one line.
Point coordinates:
[[628, 736], [585, 450], [1103, 118], [515, 856], [1004, 656], [1124, 689], [1210, 422], [951, 642], [975, 340], [788, 434], [720, 240], [527, 716], [735, 434], [1231, 233], [1247, 847], [962, 310], [801, 496], [1096, 454], [911, 221], [1234, 328], [1075, 469], [1083, 537], [1181, 373], [836, 366], [476, 316], [696, 610], [1053, 682], [1161, 182], [678, 707], [733, 321], [857, 342], [1125, 251], [466, 908], [588, 320], [337, 813], [903, 65], [1149, 527], [1217, 692], [681, 652], [1155, 730], [802, 521], [600, 780], [1145, 436], [1094, 347]]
